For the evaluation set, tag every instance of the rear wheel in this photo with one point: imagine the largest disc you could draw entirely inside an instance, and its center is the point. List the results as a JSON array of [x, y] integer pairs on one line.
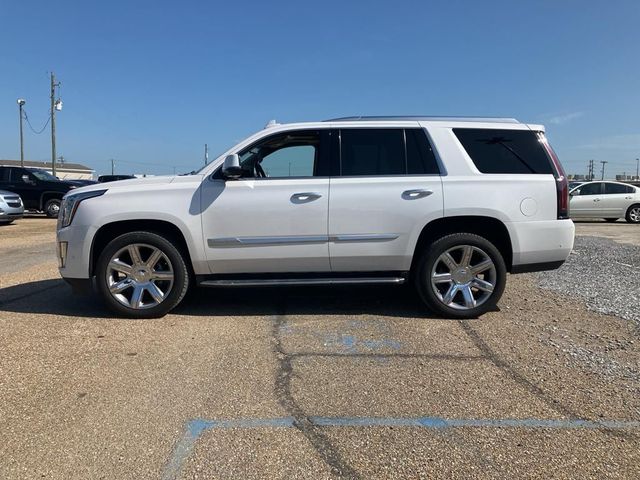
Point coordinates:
[[461, 275], [142, 275], [633, 214], [52, 208]]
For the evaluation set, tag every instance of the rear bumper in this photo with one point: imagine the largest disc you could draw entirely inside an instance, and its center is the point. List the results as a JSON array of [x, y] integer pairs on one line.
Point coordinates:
[[543, 245]]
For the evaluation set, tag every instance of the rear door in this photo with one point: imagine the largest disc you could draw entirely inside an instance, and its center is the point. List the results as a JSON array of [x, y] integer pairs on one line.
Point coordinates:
[[386, 189], [616, 198], [585, 200]]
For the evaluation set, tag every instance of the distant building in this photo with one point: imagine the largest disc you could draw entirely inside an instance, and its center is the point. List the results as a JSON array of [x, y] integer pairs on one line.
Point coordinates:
[[64, 171]]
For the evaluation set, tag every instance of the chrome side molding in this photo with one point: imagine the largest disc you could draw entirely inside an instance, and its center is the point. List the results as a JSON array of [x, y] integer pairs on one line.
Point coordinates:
[[298, 239]]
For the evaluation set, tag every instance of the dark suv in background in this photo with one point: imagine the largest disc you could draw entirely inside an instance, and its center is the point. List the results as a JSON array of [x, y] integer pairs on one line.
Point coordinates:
[[39, 189]]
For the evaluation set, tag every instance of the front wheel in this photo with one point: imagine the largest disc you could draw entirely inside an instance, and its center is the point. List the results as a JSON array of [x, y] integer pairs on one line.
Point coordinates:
[[142, 275], [52, 208], [633, 214], [461, 275]]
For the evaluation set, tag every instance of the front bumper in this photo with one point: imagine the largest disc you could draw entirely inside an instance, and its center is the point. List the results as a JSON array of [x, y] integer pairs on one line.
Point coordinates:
[[74, 251], [8, 214]]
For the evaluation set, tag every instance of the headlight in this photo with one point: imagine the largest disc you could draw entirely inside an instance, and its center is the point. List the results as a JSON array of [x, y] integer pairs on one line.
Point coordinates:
[[70, 204]]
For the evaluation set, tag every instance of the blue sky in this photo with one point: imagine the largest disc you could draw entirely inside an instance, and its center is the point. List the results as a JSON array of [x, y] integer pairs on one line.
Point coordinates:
[[152, 81]]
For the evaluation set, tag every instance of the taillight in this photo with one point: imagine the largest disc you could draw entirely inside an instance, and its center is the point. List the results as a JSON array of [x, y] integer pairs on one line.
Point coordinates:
[[562, 184]]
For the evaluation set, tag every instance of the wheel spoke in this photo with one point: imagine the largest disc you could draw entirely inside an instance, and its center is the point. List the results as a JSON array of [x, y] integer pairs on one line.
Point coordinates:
[[467, 252], [448, 297], [442, 278], [136, 296], [155, 292], [120, 286], [153, 258], [134, 253], [161, 275], [449, 261], [467, 294], [482, 285], [119, 266], [482, 266]]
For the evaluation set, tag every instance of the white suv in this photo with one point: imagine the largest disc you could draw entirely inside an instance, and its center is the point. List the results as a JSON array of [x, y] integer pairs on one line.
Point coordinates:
[[451, 204]]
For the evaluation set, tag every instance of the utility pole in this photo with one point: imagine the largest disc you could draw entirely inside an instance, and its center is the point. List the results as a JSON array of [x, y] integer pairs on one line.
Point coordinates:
[[590, 174], [637, 168], [603, 162], [206, 154], [112, 165], [21, 102], [53, 123]]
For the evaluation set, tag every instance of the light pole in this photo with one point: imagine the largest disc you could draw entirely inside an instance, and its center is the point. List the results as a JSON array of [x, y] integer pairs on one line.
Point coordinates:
[[637, 168], [21, 102]]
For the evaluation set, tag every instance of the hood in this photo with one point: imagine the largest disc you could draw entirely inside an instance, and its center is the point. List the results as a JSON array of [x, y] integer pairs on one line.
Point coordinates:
[[138, 183]]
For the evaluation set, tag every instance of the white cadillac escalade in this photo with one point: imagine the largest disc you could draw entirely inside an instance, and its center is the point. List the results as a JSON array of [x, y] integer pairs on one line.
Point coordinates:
[[449, 204]]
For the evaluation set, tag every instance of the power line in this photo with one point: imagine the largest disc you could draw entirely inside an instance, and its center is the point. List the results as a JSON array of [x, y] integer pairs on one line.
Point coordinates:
[[26, 117]]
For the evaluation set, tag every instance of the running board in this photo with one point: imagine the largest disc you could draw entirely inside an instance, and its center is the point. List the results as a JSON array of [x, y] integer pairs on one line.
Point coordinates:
[[266, 282]]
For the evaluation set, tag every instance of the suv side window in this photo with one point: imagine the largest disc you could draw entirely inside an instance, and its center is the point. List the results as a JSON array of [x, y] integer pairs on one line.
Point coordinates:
[[612, 188], [4, 174], [290, 154], [591, 189], [372, 151], [386, 151], [504, 151], [420, 157]]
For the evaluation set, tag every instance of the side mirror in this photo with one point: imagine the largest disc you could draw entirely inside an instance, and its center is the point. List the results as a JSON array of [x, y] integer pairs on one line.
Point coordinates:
[[231, 167]]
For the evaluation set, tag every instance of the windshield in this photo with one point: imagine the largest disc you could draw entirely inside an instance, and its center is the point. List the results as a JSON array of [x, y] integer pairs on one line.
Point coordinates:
[[43, 175]]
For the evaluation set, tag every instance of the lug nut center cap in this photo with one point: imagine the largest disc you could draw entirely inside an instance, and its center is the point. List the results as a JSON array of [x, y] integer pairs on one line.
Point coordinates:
[[461, 275], [141, 275]]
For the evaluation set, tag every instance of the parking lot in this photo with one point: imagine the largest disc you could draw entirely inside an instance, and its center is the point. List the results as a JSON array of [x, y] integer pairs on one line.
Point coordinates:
[[352, 382]]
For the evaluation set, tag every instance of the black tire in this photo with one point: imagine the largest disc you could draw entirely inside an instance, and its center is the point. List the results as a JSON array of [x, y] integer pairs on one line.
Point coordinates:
[[52, 207], [610, 220], [178, 264], [428, 260], [633, 214]]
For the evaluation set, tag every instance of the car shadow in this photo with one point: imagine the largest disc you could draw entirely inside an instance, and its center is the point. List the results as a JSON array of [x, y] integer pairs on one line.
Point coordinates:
[[55, 297]]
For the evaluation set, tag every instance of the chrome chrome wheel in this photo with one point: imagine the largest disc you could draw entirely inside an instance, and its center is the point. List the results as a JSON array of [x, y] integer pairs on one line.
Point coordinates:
[[634, 214], [463, 277], [139, 276]]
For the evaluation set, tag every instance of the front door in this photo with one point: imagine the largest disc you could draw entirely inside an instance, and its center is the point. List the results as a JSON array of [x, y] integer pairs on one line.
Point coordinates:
[[585, 200], [387, 189], [25, 184], [274, 218]]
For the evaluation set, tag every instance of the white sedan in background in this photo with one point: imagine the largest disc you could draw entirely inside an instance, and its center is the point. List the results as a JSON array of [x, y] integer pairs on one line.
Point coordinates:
[[608, 200]]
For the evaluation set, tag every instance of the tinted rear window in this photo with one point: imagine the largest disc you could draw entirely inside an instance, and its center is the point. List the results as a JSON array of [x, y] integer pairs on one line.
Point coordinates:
[[504, 151], [613, 188], [420, 157], [372, 152]]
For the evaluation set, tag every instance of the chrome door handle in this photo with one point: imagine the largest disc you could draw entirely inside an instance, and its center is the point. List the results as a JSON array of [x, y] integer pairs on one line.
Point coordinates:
[[596, 199], [305, 196], [418, 193]]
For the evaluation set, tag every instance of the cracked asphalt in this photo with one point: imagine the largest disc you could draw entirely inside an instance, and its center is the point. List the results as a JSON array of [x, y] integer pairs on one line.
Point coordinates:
[[306, 383]]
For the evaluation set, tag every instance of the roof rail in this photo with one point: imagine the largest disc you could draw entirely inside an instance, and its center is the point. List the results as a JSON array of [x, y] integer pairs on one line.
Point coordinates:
[[361, 118]]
